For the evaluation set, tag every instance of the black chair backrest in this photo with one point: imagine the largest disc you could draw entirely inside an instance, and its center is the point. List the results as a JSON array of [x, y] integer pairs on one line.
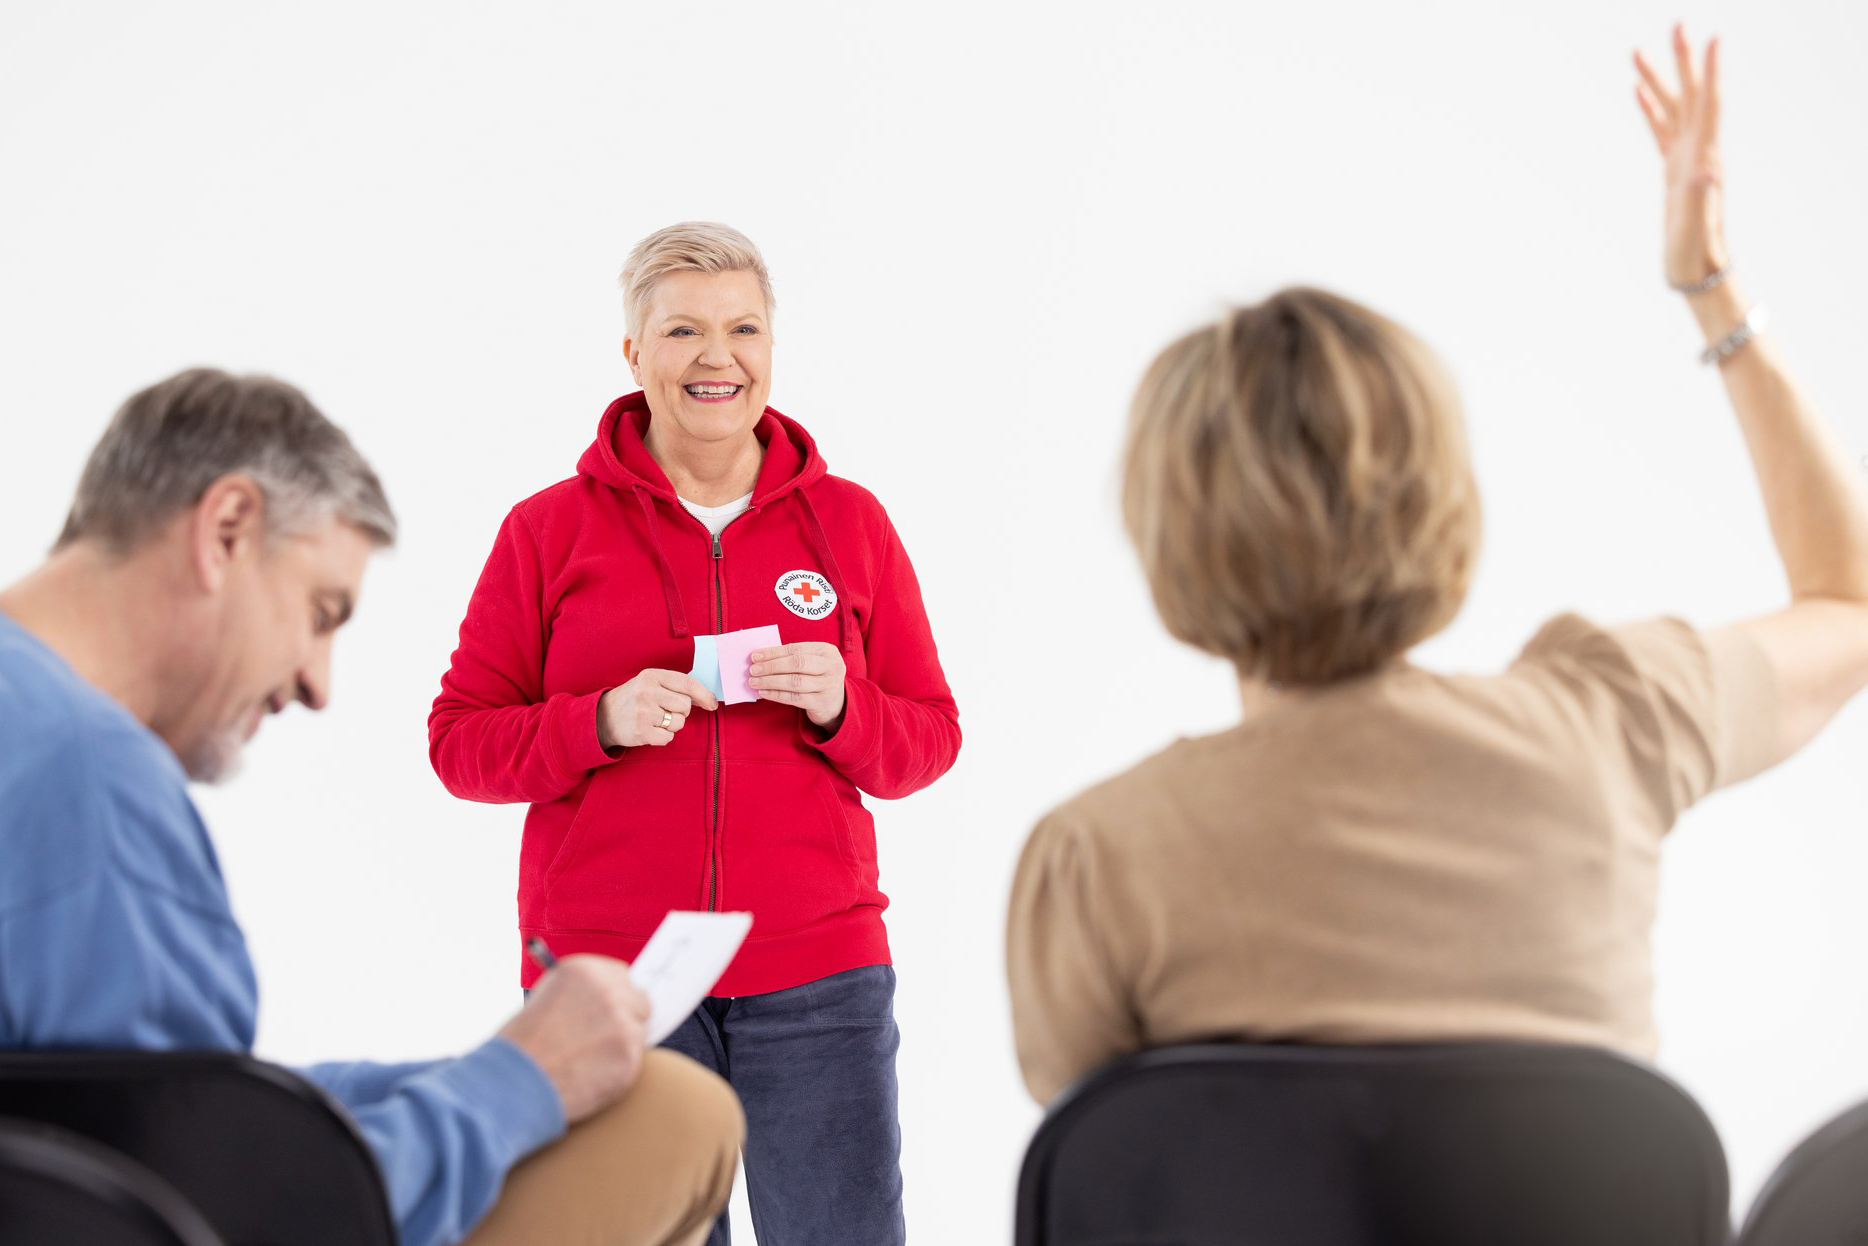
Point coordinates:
[[1819, 1195], [57, 1189], [262, 1154], [1454, 1145]]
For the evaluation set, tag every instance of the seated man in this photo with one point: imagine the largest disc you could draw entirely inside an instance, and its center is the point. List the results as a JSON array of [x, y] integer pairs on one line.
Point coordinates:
[[216, 543]]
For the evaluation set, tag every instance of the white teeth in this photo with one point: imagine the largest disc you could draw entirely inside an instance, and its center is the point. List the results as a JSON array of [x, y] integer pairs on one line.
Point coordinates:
[[712, 391]]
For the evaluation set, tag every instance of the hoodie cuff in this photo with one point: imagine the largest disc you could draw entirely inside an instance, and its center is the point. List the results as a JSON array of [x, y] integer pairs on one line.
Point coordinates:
[[857, 737], [574, 742]]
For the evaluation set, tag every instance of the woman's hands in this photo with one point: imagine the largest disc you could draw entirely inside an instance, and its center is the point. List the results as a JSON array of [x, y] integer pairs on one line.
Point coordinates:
[[807, 674], [649, 709], [1686, 129]]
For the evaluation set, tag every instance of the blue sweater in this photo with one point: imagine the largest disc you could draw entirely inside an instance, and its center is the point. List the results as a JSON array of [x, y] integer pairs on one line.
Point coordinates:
[[115, 932]]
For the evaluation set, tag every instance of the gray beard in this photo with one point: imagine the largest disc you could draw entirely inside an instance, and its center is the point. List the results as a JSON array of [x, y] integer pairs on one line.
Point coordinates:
[[216, 759]]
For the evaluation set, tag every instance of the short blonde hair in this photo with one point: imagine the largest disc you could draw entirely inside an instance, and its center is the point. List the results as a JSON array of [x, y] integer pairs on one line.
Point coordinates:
[[1297, 485], [690, 247]]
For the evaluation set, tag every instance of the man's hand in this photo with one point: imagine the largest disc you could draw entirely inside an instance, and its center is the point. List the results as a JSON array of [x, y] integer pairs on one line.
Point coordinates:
[[807, 674], [584, 1027]]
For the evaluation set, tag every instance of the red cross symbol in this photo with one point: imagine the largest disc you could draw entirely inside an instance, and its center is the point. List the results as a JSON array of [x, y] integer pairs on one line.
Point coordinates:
[[803, 589]]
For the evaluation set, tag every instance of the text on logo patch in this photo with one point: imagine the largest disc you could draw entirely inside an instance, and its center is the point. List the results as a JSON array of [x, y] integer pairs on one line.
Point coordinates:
[[806, 594]]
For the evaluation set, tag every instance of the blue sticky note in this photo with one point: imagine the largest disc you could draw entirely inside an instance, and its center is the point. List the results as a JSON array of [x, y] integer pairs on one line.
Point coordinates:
[[707, 664]]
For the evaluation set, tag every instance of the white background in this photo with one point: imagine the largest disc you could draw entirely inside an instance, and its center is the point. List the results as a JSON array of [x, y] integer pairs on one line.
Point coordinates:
[[982, 220]]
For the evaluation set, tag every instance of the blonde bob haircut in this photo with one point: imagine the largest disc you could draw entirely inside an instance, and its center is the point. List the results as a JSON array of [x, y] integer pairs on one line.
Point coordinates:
[[1297, 485], [690, 247]]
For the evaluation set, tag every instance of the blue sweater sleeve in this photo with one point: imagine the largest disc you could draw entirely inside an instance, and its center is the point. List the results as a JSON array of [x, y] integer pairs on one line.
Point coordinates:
[[116, 932], [445, 1132]]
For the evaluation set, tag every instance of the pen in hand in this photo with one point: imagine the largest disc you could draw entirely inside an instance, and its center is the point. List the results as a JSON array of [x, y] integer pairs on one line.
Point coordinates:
[[540, 954]]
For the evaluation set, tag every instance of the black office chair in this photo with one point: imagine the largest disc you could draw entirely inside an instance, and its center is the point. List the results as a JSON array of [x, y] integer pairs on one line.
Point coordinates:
[[57, 1189], [1819, 1195], [262, 1154], [1456, 1145]]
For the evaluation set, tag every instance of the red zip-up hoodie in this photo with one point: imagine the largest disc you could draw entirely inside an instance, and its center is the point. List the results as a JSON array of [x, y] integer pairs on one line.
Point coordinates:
[[751, 807]]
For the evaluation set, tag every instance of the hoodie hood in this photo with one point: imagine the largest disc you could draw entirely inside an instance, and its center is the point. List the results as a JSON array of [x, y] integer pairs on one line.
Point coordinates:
[[619, 457]]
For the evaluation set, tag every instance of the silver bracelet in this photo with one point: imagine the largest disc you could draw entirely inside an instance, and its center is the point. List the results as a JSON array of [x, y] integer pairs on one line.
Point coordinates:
[[1713, 282], [1729, 345]]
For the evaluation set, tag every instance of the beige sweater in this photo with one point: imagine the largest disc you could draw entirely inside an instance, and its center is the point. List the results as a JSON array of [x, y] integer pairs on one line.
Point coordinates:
[[1403, 857]]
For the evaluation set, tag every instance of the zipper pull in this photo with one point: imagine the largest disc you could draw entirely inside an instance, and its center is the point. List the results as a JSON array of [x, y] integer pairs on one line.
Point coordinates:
[[716, 545]]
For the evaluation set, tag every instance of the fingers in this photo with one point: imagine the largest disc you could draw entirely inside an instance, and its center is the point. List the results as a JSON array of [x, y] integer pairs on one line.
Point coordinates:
[[778, 653], [1657, 91], [1697, 103], [658, 715], [661, 712], [1656, 123], [674, 701], [790, 682], [660, 727], [793, 664], [1683, 63], [806, 657], [690, 689]]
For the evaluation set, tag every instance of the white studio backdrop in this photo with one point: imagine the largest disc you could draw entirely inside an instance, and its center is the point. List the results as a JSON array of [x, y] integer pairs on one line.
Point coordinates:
[[982, 221]]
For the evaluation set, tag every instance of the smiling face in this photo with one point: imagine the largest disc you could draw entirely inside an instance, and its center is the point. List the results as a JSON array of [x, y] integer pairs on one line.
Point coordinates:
[[268, 645], [704, 357]]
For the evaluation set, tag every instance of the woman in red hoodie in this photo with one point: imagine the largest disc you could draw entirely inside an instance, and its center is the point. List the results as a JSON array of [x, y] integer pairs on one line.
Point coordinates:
[[697, 511]]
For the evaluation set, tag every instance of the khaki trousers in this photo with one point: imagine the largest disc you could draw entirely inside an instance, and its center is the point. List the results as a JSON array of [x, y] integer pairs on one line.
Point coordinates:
[[654, 1169]]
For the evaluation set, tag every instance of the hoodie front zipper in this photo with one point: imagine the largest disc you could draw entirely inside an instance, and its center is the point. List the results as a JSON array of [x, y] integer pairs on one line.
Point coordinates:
[[713, 832], [718, 725]]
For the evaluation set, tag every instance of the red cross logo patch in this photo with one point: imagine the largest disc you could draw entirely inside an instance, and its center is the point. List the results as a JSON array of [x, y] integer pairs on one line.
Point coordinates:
[[806, 594]]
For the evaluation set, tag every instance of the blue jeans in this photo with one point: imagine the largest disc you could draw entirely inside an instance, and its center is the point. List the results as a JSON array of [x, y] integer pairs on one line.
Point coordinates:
[[814, 1067]]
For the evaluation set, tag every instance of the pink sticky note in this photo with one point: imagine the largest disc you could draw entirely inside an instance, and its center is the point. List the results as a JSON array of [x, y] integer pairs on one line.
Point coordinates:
[[736, 663]]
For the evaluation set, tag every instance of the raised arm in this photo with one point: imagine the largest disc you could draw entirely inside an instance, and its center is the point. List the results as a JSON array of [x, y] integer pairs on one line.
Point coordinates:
[[1818, 508]]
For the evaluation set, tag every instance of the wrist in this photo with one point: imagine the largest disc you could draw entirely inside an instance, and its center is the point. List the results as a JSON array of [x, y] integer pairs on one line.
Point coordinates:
[[1718, 310], [1698, 266], [605, 737], [829, 723], [1705, 285]]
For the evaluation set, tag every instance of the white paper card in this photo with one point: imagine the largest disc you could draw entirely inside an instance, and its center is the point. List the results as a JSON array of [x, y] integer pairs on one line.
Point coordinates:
[[681, 962]]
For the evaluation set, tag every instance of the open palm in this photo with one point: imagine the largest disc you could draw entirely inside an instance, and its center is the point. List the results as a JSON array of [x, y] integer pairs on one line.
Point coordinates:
[[1685, 124]]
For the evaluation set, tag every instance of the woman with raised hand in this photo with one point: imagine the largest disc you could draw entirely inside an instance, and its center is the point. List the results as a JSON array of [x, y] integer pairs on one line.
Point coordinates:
[[1378, 853], [700, 511]]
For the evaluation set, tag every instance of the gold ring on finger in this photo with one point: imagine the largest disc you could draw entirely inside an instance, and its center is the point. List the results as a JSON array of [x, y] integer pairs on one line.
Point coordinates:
[[668, 720]]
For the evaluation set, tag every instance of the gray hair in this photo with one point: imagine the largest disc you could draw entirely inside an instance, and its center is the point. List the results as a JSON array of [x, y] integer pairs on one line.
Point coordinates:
[[690, 247], [169, 442]]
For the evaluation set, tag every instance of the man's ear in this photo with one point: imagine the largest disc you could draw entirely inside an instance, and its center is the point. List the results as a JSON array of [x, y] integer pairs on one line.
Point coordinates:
[[226, 525]]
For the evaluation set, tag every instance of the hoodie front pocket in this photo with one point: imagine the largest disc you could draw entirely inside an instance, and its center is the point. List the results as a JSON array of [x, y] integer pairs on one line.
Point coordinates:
[[637, 848], [785, 848]]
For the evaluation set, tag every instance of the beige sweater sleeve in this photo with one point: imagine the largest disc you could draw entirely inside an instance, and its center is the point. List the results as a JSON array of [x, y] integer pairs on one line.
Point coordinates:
[[1672, 712], [1070, 1011]]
